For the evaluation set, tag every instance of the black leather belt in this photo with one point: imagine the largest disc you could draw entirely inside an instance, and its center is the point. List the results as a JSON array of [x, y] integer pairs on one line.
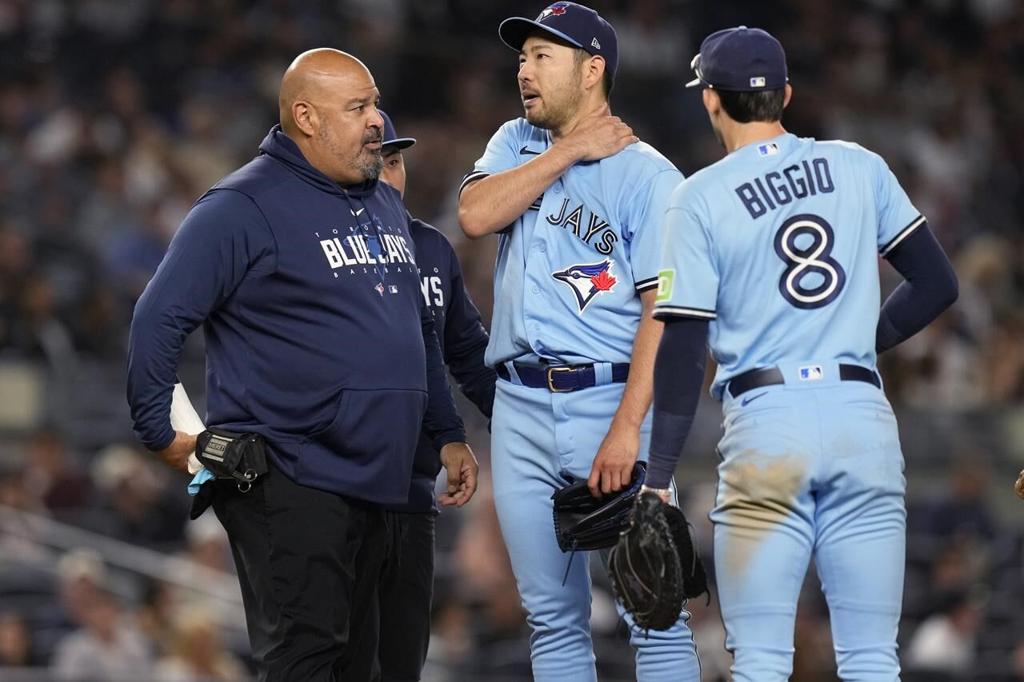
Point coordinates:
[[562, 378], [771, 376]]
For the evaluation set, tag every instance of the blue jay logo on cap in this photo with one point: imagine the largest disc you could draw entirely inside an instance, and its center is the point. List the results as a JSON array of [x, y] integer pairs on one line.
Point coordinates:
[[557, 9]]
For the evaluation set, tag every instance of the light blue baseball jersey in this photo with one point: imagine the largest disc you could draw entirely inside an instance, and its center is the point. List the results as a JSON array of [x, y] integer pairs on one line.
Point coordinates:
[[570, 269], [777, 244]]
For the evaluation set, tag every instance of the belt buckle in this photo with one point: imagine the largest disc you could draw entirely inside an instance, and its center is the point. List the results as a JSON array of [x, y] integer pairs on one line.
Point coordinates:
[[551, 371]]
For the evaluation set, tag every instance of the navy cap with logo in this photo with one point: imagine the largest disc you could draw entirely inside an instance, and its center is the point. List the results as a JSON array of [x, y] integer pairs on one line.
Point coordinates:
[[391, 139], [575, 24], [740, 59]]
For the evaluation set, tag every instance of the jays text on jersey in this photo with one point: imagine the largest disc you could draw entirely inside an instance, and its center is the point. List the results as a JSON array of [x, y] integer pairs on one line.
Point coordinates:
[[590, 243]]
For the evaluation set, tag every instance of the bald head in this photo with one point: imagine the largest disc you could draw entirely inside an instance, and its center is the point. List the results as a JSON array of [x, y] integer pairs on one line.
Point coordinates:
[[328, 107], [313, 75]]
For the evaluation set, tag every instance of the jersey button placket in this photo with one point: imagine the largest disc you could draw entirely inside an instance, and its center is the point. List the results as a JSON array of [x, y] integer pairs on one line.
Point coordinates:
[[538, 267]]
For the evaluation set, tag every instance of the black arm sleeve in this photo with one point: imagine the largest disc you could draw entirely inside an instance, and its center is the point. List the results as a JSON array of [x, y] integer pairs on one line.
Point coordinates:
[[678, 376], [465, 341], [441, 422], [930, 287]]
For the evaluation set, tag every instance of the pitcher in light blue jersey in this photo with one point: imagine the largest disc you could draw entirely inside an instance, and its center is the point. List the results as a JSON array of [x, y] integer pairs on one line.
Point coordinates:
[[577, 202], [771, 257]]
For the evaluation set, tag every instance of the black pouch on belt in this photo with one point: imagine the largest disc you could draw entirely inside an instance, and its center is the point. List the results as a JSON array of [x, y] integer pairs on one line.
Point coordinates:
[[240, 457]]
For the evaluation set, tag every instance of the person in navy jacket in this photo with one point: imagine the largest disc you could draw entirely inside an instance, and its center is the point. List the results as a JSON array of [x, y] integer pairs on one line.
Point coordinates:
[[407, 581], [300, 267]]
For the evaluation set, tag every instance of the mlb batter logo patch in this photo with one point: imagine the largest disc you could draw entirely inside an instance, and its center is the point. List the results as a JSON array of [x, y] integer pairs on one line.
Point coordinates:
[[768, 149], [811, 373], [587, 281]]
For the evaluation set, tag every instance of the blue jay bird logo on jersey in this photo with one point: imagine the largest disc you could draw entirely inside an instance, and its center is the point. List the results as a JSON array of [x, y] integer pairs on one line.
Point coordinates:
[[587, 280]]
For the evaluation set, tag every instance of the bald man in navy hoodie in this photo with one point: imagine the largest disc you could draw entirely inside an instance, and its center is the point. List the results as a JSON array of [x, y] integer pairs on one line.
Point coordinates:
[[300, 268]]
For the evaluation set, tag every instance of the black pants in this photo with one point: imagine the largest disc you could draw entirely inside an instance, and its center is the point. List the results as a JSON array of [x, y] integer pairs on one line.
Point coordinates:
[[308, 562], [406, 587]]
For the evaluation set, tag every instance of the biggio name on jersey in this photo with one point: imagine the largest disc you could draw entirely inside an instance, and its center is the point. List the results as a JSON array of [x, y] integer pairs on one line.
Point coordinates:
[[779, 188]]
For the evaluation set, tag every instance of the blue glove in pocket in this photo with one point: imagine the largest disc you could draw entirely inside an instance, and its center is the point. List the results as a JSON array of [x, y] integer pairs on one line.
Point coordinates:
[[201, 477]]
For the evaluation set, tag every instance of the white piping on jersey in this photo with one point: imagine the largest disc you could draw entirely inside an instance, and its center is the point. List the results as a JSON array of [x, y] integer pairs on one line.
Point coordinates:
[[916, 223], [687, 312], [646, 284], [471, 177]]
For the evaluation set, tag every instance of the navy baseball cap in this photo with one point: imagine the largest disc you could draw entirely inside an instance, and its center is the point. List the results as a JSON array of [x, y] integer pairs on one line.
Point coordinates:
[[391, 138], [740, 59], [575, 24]]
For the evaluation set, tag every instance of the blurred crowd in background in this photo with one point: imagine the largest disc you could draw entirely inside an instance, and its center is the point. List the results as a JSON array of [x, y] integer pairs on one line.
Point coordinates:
[[115, 115]]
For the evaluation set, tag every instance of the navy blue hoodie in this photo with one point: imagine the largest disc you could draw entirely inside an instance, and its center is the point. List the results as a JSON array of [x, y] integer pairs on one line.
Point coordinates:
[[316, 332], [463, 342]]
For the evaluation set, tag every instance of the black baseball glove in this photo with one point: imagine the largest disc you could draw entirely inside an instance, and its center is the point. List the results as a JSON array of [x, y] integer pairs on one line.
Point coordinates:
[[653, 566], [584, 522]]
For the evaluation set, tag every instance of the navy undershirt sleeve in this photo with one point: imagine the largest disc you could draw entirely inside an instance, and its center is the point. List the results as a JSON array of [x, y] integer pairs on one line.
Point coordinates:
[[930, 287], [678, 377], [441, 421], [465, 341]]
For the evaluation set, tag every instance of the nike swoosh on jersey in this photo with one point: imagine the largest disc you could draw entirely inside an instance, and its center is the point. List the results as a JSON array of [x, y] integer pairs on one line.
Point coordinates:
[[747, 401], [525, 150]]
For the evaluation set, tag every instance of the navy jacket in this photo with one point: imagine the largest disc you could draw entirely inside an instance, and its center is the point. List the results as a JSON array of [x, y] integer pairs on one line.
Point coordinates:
[[316, 332], [463, 342]]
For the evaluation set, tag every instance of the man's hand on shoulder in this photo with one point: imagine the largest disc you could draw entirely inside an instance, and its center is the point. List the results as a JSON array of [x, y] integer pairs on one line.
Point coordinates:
[[462, 469], [176, 454], [598, 136]]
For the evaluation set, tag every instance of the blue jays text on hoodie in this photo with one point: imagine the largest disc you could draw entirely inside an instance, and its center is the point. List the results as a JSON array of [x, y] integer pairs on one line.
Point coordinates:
[[316, 332], [463, 342]]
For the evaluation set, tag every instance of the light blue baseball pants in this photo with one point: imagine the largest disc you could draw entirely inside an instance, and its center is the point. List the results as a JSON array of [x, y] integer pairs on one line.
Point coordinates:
[[538, 439], [810, 469]]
